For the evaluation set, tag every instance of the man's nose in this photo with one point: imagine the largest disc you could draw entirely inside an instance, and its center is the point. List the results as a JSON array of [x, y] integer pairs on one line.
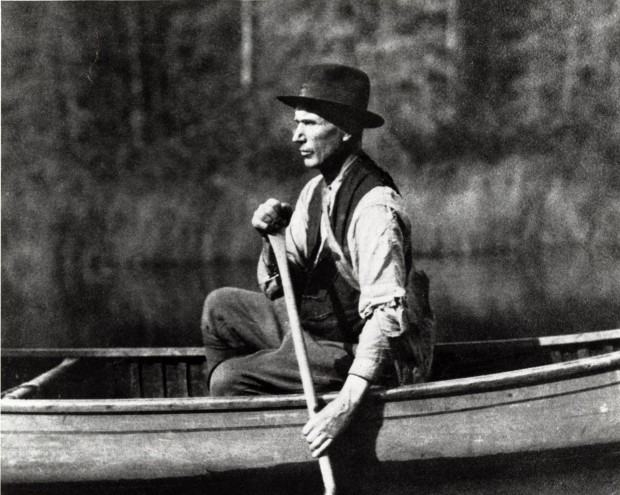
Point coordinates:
[[298, 135]]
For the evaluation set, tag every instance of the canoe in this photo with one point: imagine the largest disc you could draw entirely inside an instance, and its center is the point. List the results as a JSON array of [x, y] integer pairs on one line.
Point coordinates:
[[117, 415]]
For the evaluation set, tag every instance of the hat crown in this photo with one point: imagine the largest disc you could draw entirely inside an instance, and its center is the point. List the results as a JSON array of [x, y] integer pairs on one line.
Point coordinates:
[[338, 84]]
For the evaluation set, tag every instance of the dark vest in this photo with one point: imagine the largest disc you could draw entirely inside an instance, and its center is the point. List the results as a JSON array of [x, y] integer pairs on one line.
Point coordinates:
[[328, 304]]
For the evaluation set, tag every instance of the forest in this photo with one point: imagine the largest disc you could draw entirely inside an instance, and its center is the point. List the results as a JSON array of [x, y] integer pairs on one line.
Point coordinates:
[[146, 133]]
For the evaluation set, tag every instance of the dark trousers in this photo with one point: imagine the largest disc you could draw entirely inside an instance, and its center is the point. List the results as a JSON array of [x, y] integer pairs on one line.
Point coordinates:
[[250, 351]]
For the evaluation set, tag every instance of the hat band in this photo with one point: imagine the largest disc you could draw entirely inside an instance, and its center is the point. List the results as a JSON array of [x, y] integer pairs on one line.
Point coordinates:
[[335, 94]]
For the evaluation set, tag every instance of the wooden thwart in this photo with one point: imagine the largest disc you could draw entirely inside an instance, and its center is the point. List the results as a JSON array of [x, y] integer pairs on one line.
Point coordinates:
[[31, 387]]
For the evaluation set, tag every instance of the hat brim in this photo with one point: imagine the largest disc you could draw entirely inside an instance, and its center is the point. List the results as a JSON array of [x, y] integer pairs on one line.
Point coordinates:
[[364, 118]]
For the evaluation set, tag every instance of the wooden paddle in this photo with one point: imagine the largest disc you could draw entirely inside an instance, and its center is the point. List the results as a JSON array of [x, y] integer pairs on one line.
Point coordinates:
[[278, 243]]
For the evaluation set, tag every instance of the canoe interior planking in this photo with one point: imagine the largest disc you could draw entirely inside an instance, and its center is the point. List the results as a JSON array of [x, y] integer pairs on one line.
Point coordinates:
[[179, 372]]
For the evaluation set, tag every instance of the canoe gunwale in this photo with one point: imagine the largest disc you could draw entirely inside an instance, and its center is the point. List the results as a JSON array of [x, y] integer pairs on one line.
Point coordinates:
[[509, 379], [518, 344], [461, 386]]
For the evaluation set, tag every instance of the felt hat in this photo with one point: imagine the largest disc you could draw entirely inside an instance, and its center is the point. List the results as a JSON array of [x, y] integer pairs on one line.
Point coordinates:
[[337, 93]]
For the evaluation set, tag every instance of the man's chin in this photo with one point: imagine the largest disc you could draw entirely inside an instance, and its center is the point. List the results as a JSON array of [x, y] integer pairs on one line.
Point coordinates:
[[310, 163]]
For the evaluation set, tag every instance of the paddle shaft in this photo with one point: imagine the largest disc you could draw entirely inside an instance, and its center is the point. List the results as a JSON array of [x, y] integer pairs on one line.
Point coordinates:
[[278, 243]]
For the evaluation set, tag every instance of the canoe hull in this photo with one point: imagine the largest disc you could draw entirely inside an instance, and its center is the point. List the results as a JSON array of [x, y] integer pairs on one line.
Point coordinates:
[[186, 440]]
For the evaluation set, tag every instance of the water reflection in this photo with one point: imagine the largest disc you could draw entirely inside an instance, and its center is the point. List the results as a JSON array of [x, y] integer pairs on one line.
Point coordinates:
[[552, 293], [479, 298]]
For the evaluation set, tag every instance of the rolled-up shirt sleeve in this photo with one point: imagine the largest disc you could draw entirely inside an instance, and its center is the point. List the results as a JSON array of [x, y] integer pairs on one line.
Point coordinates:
[[373, 348], [377, 242]]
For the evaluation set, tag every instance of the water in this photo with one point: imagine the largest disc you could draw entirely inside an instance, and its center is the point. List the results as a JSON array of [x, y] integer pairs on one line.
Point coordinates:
[[475, 299]]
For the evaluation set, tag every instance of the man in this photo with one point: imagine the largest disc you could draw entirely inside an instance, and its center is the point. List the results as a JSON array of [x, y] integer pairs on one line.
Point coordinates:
[[349, 251]]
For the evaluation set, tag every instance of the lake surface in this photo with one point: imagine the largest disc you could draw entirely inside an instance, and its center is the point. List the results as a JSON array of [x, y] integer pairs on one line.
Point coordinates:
[[474, 298]]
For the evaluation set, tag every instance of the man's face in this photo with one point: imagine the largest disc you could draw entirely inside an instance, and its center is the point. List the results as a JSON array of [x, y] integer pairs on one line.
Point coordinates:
[[318, 139]]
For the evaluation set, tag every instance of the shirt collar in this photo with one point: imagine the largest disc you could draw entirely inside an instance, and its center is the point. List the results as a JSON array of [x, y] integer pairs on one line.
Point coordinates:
[[344, 171]]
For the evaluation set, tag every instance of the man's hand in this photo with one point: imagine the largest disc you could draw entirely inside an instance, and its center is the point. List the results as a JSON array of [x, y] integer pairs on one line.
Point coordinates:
[[271, 216], [333, 419]]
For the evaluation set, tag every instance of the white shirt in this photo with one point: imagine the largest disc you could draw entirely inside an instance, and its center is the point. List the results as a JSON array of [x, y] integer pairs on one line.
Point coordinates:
[[377, 243]]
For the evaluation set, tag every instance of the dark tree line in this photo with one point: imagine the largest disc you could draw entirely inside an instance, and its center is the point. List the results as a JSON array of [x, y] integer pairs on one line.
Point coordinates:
[[126, 125], [107, 82]]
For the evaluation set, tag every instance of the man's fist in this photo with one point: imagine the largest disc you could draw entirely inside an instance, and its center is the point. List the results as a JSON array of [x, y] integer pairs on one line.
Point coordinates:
[[271, 216]]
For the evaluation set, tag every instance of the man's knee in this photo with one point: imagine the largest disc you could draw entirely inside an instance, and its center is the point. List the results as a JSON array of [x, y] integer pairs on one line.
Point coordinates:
[[227, 379], [214, 305]]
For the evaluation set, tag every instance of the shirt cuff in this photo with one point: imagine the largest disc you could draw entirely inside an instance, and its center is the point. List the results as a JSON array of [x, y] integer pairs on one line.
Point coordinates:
[[367, 368], [390, 315], [368, 302]]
